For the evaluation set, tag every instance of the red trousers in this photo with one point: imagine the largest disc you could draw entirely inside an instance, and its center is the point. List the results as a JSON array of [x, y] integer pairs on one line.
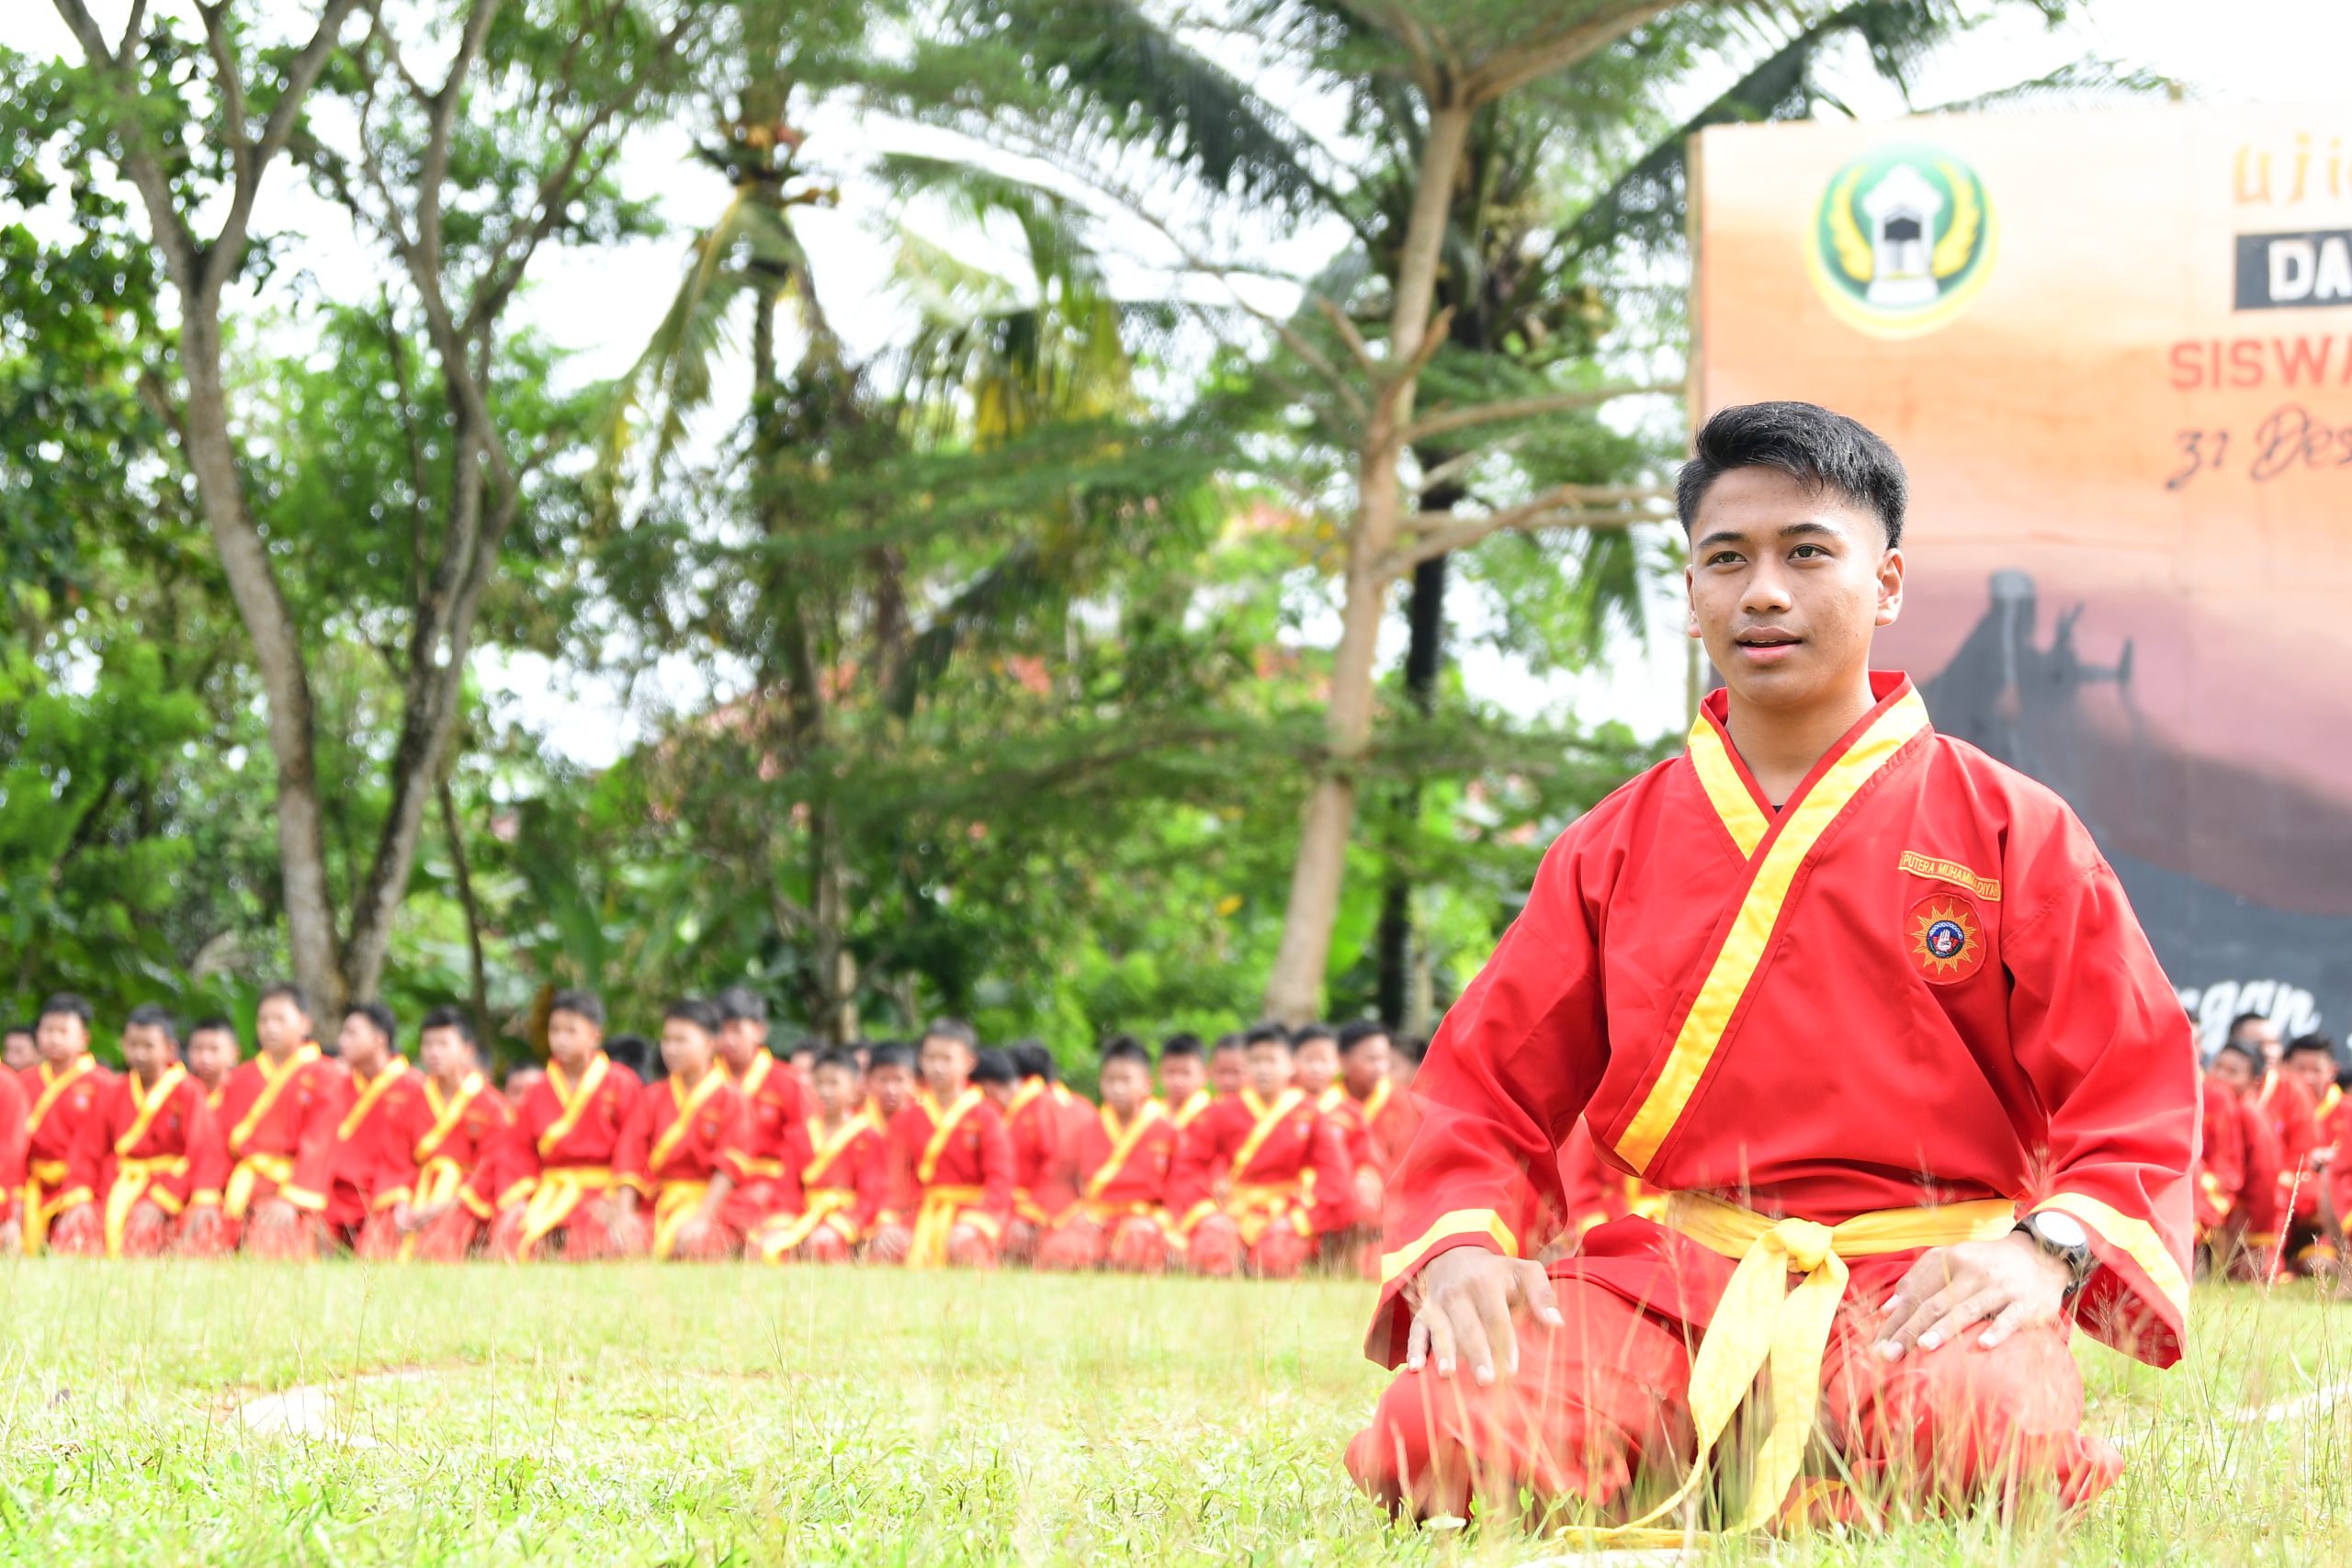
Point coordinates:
[[1217, 1250], [1132, 1243], [450, 1238], [581, 1238], [968, 1246], [1599, 1406]]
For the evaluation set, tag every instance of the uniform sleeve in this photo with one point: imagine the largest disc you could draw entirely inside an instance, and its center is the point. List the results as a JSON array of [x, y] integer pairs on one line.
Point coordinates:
[[2298, 1187], [1505, 1079], [636, 1144], [504, 1174], [207, 1155], [90, 1164], [793, 1151], [872, 1167], [734, 1144], [996, 1165], [2221, 1159], [2099, 1030], [15, 1146], [315, 1141], [172, 1192], [1326, 1155], [1192, 1179], [392, 1178], [900, 1196]]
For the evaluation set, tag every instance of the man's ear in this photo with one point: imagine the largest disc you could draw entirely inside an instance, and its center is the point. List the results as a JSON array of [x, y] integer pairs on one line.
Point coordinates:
[[1689, 607], [1890, 587]]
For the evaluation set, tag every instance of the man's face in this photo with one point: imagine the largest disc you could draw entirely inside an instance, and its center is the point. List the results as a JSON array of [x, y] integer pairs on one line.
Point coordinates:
[[212, 1053], [740, 1039], [361, 1044], [1401, 1070], [1125, 1085], [945, 1065], [999, 1094], [146, 1051], [836, 1088], [281, 1026], [572, 1040], [2263, 1038], [1364, 1067], [445, 1053], [1267, 1066], [20, 1051], [890, 1085], [63, 1036], [2316, 1068], [1314, 1064], [686, 1049], [1786, 584], [1181, 1078], [2233, 1072], [1230, 1069]]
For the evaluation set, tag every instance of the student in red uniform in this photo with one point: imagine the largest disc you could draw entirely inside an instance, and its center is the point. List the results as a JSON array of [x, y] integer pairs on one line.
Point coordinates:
[[776, 1102], [890, 1080], [1122, 1161], [1261, 1176], [2220, 1164], [2292, 1111], [1038, 1128], [682, 1150], [838, 1164], [1912, 1233], [20, 1047], [951, 1166], [272, 1155], [63, 1087], [2316, 1224], [136, 1156], [2248, 1238], [1183, 1078], [1229, 1065], [371, 1208], [211, 1054], [446, 1221], [550, 1179]]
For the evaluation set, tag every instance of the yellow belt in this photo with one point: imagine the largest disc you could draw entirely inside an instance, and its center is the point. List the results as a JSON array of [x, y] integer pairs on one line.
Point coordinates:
[[238, 1195], [559, 1192], [133, 1178], [1258, 1207], [825, 1205], [1105, 1211], [671, 1210], [438, 1181], [941, 1207], [44, 1200], [1761, 1322]]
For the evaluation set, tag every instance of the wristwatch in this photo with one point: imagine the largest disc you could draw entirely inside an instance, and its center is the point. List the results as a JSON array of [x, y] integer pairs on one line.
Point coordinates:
[[2062, 1237]]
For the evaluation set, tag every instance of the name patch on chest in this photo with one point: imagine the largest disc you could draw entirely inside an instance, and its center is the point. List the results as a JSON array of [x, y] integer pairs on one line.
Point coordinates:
[[1938, 869], [1945, 938]]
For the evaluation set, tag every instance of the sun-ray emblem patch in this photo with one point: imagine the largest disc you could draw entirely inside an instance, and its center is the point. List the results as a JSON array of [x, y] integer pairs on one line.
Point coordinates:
[[1945, 938]]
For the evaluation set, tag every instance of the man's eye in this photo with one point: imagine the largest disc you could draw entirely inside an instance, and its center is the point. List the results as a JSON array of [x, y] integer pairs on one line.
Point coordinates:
[[1723, 557], [1806, 552]]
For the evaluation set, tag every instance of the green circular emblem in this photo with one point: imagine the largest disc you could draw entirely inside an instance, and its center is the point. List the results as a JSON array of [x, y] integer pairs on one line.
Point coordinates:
[[1902, 240]]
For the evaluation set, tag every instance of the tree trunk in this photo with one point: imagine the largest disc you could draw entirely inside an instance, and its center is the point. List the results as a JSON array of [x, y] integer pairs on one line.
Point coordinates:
[[1424, 658], [277, 655], [477, 973], [1295, 987]]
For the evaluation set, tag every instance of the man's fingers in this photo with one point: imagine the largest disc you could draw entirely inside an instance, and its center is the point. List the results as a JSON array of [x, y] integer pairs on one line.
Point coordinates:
[[1916, 1326], [1417, 1343], [1502, 1334], [2005, 1322], [1441, 1332], [1959, 1315], [1537, 1290], [1472, 1352]]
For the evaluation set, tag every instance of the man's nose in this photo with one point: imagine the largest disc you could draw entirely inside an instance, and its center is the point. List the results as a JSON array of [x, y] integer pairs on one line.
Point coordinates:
[[1766, 593]]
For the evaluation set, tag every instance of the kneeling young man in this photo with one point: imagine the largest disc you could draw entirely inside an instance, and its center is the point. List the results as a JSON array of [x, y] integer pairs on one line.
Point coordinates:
[[951, 1166], [682, 1150], [551, 1179], [1261, 1177], [1122, 1161], [138, 1153], [1873, 1012], [836, 1165], [446, 1222]]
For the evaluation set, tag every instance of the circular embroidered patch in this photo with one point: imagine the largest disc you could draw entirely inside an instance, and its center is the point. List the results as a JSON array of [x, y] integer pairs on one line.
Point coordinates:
[[1944, 937]]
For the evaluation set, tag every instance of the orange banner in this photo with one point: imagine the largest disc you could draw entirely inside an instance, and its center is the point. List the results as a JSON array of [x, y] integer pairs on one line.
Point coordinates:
[[2115, 351]]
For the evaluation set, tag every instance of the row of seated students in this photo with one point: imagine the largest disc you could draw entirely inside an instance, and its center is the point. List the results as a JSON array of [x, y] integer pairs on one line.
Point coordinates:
[[2272, 1193], [1261, 1155]]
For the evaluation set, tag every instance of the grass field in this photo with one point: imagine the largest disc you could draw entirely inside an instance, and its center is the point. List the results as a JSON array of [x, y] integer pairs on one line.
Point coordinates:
[[645, 1413]]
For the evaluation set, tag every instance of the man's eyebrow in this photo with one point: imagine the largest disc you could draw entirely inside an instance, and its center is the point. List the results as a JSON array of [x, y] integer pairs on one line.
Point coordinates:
[[1788, 531]]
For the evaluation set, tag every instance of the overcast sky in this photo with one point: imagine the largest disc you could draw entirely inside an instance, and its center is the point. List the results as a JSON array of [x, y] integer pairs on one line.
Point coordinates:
[[605, 305]]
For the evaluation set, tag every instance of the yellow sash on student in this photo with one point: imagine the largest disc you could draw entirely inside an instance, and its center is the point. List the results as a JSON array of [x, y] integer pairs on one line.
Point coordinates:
[[687, 1108], [44, 1201], [1268, 1117], [823, 1206], [1258, 1207], [1761, 1322], [943, 1209], [559, 1191], [1124, 1144], [250, 1171], [273, 1084], [447, 1119], [133, 1178], [672, 1209], [370, 1093], [1200, 1099], [575, 1101]]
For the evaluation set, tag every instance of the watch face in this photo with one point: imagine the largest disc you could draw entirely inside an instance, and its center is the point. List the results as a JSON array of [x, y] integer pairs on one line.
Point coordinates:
[[2061, 1229]]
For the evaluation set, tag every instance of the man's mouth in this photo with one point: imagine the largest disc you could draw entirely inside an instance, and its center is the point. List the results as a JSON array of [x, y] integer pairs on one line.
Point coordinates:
[[1766, 644]]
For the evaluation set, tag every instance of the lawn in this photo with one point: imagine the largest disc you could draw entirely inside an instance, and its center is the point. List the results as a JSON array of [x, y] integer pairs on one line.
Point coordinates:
[[649, 1413]]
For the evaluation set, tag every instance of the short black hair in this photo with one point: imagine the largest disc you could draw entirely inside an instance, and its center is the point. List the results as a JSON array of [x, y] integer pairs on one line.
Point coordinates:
[[153, 1015], [951, 1029], [2319, 1042], [703, 1015], [1354, 1034], [205, 1025], [72, 1003], [889, 1054], [1180, 1045], [1306, 1031], [1032, 1060], [2231, 1048], [1126, 1048], [288, 990], [742, 1001], [840, 1056], [579, 1004], [378, 1014], [451, 1018], [1231, 1040], [1412, 1047], [991, 1067], [634, 1052], [1265, 1034], [28, 1027], [2242, 1020], [1807, 442]]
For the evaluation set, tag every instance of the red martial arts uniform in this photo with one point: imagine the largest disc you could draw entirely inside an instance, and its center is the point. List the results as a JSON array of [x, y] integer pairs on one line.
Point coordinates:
[[775, 1105], [837, 1181], [556, 1164], [2287, 1105], [1390, 1119], [375, 1160], [466, 1128], [1044, 1186], [1184, 1115], [949, 1168], [1121, 1214], [62, 1104], [1286, 1175], [12, 1145], [274, 1138], [673, 1143], [2220, 1164], [139, 1144], [1894, 1014]]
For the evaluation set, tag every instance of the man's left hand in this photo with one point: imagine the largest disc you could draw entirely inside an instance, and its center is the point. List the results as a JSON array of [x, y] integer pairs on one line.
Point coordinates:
[[2011, 1282]]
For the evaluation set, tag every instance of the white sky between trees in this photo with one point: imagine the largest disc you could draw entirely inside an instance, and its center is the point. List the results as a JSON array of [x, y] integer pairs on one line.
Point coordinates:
[[604, 304]]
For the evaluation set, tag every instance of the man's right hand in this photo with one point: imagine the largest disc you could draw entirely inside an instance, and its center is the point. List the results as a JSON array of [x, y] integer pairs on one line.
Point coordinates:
[[274, 1215], [1462, 1302]]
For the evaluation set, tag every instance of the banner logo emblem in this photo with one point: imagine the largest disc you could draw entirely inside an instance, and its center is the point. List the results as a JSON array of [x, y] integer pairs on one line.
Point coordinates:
[[1946, 939], [1902, 240]]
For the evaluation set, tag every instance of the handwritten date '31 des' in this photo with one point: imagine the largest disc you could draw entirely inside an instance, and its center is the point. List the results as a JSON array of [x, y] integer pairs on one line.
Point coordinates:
[[2291, 437]]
